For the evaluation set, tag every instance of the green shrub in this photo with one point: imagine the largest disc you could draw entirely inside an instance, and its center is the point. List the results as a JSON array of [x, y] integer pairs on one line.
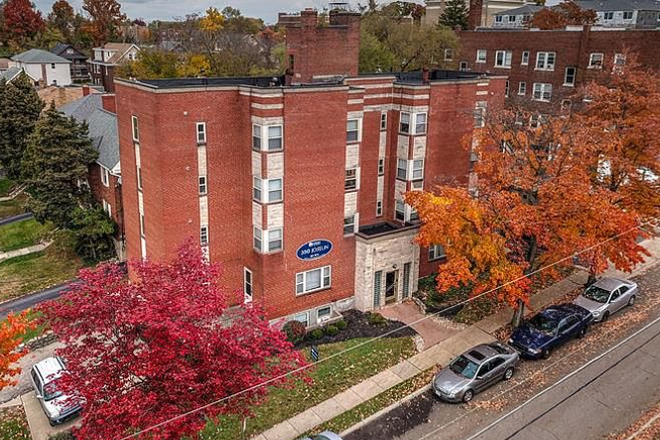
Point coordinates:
[[376, 319], [331, 330], [317, 333], [341, 325], [295, 331]]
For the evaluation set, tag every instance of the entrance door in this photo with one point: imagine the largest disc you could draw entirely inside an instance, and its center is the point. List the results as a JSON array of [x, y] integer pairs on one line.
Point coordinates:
[[391, 282]]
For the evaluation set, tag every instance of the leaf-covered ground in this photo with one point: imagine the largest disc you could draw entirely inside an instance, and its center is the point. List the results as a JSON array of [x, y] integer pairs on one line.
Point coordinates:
[[13, 424]]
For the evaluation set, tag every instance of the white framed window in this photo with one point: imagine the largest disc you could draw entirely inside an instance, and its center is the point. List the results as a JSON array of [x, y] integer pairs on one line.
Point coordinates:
[[302, 317], [275, 240], [596, 61], [136, 128], [463, 66], [379, 208], [323, 314], [400, 210], [449, 54], [381, 166], [522, 88], [402, 169], [503, 58], [569, 76], [142, 226], [313, 280], [201, 132], [247, 284], [105, 176], [272, 134], [545, 60], [524, 61], [257, 239], [627, 15], [256, 137], [499, 18], [609, 15], [275, 193], [619, 59], [202, 185], [481, 55], [350, 179], [404, 123], [274, 137], [139, 178], [204, 236], [512, 18], [418, 169], [107, 207], [256, 189], [383, 121], [506, 88], [480, 114], [353, 130], [349, 224], [542, 92], [420, 123], [436, 252]]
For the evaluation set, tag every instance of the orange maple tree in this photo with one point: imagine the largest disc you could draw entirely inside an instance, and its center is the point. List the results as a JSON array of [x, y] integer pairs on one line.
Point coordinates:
[[566, 13], [11, 332]]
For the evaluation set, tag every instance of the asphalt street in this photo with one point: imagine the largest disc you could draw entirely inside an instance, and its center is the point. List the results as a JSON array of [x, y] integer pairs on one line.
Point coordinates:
[[29, 301], [575, 395]]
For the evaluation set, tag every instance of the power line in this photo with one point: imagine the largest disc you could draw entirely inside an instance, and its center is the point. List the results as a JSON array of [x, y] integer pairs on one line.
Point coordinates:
[[376, 338]]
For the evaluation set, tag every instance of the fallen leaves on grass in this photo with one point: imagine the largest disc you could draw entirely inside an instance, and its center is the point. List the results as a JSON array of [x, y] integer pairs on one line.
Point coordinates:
[[13, 424]]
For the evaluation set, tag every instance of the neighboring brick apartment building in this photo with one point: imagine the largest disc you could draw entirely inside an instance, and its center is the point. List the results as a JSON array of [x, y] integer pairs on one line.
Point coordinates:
[[295, 187], [106, 59], [546, 68]]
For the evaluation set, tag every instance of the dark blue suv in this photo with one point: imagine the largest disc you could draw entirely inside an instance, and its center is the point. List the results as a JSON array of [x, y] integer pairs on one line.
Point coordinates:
[[551, 327]]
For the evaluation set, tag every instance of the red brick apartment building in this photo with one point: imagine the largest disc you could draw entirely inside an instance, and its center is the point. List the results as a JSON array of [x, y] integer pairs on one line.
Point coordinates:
[[295, 184], [546, 68]]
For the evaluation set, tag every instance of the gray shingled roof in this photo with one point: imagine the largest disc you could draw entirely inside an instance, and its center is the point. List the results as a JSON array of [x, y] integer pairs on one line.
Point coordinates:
[[102, 127], [11, 73], [38, 56], [523, 10], [619, 5]]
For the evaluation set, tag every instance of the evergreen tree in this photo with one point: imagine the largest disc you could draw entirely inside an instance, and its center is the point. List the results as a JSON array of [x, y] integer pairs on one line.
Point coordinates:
[[454, 14], [93, 231], [55, 165], [20, 107]]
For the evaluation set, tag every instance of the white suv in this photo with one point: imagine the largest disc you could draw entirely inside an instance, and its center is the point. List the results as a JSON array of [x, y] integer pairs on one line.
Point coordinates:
[[57, 406]]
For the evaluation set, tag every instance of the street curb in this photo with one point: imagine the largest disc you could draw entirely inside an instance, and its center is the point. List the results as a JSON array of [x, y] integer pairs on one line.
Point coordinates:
[[384, 411]]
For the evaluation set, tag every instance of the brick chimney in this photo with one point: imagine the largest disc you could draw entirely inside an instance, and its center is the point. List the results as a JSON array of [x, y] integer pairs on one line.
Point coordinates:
[[475, 14], [86, 90], [109, 103]]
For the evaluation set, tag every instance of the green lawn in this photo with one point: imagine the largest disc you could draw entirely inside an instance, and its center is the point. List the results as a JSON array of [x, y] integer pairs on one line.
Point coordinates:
[[330, 378], [13, 424], [29, 273], [6, 185], [22, 234], [13, 207]]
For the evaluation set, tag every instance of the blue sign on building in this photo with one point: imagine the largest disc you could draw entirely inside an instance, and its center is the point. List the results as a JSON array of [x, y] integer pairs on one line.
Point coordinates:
[[314, 249]]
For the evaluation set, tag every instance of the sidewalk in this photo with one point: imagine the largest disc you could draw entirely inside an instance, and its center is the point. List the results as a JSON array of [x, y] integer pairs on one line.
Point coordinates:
[[24, 251]]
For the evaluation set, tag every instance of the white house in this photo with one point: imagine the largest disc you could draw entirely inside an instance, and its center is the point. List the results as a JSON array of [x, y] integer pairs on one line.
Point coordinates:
[[44, 66]]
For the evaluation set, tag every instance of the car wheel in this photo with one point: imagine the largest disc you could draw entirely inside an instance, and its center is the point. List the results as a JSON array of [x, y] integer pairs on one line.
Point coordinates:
[[631, 301], [468, 396], [606, 315], [583, 332], [508, 374], [545, 354]]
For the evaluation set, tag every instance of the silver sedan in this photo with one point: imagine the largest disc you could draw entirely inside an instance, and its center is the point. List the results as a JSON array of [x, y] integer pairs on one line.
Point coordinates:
[[474, 371], [607, 296]]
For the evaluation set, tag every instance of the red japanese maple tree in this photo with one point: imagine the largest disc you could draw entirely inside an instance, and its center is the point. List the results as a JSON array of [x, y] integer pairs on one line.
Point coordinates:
[[165, 342]]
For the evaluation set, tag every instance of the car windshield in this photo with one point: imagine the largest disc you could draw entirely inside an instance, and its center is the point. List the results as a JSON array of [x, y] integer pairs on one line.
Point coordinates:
[[51, 392], [543, 324], [597, 294], [464, 367]]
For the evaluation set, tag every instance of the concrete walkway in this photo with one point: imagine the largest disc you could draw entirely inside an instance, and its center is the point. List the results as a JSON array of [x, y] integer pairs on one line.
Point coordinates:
[[24, 251]]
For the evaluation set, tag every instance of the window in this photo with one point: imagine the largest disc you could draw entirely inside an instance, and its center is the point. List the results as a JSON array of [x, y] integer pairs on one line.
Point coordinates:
[[353, 130], [201, 133], [512, 18], [569, 76], [323, 314], [52, 66], [379, 208], [542, 91], [142, 225], [522, 87], [349, 225], [506, 88], [480, 114], [139, 178], [381, 166], [302, 317], [257, 236], [503, 58], [378, 280], [596, 61], [402, 169], [274, 137], [202, 185], [545, 60], [449, 54], [383, 121], [499, 18], [256, 189], [627, 15], [136, 128], [105, 176], [463, 66], [481, 55], [436, 252], [275, 240], [350, 182], [204, 236], [420, 123], [609, 15], [404, 123], [107, 207], [400, 211], [256, 137], [619, 59], [418, 169], [274, 190], [406, 280], [247, 284], [313, 280]]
